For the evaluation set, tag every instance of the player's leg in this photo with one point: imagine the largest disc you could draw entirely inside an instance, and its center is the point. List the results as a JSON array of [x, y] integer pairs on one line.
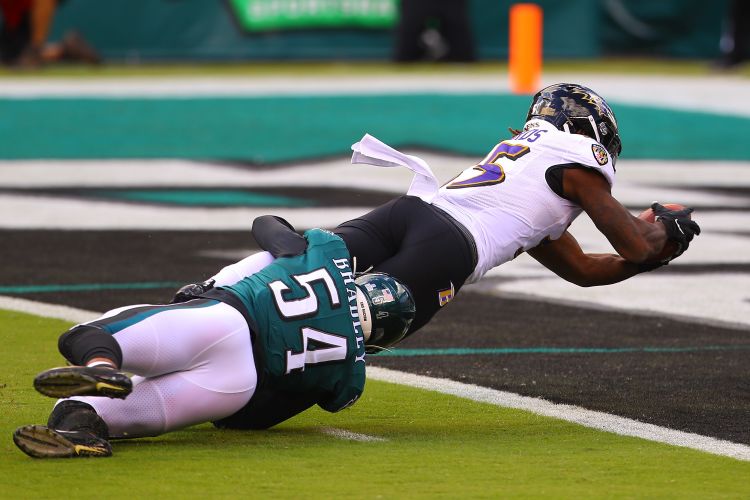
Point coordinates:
[[147, 340], [456, 28], [208, 378], [413, 16], [170, 402], [82, 426], [372, 238], [420, 245], [15, 31], [74, 429], [216, 377]]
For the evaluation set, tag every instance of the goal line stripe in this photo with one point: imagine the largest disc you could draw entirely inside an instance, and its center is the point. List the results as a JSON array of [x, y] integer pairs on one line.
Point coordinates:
[[588, 418]]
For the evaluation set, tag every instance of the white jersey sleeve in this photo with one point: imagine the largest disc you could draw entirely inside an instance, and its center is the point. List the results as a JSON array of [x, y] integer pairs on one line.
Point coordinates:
[[582, 150]]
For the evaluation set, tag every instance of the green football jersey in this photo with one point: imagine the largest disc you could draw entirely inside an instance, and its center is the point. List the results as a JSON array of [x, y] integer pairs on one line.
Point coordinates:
[[306, 325]]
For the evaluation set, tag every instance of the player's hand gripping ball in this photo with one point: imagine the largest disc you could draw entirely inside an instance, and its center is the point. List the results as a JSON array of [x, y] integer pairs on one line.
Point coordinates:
[[680, 227]]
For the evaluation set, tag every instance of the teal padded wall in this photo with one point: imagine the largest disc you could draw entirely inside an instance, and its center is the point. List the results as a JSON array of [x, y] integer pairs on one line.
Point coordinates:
[[134, 30]]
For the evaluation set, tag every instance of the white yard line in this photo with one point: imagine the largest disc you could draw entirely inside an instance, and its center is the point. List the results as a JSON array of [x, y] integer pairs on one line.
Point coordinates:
[[54, 311], [587, 418], [679, 91], [183, 173], [636, 179], [248, 86], [60, 213]]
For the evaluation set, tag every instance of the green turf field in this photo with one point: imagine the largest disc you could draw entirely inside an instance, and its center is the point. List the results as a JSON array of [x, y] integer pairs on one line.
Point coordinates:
[[424, 445]]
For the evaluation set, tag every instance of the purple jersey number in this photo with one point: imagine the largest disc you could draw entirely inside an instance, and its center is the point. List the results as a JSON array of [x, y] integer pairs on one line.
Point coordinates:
[[490, 173]]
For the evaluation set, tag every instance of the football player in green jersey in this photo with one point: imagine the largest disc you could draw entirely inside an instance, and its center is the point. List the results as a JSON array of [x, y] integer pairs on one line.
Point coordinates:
[[247, 355]]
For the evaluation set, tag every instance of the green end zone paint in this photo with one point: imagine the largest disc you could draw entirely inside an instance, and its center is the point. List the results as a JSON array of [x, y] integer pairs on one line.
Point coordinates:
[[272, 129], [458, 351], [196, 197], [86, 287]]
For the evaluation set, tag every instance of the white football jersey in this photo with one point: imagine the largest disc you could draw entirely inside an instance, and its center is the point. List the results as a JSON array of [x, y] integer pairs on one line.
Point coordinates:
[[506, 202]]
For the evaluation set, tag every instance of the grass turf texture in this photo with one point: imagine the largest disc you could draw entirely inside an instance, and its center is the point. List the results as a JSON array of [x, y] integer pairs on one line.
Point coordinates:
[[435, 446]]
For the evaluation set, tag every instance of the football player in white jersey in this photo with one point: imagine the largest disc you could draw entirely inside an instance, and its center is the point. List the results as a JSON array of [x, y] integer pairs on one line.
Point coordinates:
[[521, 198]]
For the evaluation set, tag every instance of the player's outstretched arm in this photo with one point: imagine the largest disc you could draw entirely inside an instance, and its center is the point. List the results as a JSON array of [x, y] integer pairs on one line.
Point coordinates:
[[634, 239], [565, 258], [638, 242]]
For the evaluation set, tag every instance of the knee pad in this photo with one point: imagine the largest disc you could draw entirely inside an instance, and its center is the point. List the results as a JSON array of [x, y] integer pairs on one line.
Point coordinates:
[[85, 342]]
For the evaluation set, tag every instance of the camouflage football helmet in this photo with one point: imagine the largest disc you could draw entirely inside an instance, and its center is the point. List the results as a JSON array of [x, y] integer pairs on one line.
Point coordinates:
[[386, 309], [577, 109]]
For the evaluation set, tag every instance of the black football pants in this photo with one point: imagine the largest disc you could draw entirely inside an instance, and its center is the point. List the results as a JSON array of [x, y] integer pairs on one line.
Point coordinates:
[[418, 244]]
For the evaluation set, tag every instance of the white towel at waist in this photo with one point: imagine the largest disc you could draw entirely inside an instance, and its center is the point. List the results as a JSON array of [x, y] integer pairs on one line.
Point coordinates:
[[371, 151]]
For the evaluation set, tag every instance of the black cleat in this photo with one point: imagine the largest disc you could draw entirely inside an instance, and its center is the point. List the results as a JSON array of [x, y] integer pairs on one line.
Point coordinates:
[[83, 381], [39, 441]]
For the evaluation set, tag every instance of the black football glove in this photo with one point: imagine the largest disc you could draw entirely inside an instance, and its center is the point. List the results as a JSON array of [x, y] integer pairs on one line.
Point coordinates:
[[192, 291], [680, 227]]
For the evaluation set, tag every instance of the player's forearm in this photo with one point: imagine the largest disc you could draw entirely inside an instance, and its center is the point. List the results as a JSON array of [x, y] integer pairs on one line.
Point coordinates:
[[606, 269], [239, 270], [646, 240]]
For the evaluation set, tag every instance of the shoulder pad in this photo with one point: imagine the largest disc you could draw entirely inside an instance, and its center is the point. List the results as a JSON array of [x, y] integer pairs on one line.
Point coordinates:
[[589, 153]]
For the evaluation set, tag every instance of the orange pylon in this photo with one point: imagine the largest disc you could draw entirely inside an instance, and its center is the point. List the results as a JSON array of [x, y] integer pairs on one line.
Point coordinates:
[[525, 48]]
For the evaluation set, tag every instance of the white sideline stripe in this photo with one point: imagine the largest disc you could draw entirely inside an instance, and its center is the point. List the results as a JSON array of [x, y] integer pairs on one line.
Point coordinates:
[[674, 91], [587, 418], [47, 310], [350, 436]]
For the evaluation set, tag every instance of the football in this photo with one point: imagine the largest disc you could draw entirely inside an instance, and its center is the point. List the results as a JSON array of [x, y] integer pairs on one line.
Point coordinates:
[[670, 247], [649, 216]]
